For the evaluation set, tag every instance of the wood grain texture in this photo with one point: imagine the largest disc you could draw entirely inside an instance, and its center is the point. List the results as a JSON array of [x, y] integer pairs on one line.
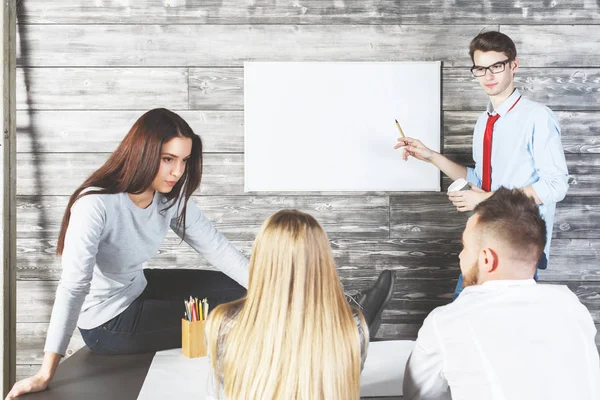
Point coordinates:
[[419, 216], [583, 175], [35, 301], [84, 131], [62, 173], [27, 370], [589, 294], [555, 46], [341, 216], [216, 88], [238, 217], [31, 338], [584, 170], [578, 217], [327, 12], [579, 131], [58, 174], [561, 89], [231, 45], [413, 299], [427, 259], [564, 89], [356, 258], [573, 260], [8, 257], [416, 216], [101, 88]]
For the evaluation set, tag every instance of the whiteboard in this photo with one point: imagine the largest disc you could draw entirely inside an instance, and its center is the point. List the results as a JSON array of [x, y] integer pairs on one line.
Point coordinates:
[[329, 126]]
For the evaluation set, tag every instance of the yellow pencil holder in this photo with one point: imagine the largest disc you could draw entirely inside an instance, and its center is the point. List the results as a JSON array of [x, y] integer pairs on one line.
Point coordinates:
[[193, 338]]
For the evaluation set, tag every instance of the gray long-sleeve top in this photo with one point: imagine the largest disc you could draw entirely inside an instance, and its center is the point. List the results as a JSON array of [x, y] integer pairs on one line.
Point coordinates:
[[108, 241]]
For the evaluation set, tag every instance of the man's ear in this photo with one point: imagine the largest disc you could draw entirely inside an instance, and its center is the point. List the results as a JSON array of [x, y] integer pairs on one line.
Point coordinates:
[[488, 260], [515, 65]]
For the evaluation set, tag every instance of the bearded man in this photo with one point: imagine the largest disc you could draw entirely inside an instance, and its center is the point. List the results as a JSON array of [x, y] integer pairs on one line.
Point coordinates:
[[506, 337]]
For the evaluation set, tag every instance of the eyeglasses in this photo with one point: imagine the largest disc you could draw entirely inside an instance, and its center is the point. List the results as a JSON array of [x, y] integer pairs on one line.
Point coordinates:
[[495, 68]]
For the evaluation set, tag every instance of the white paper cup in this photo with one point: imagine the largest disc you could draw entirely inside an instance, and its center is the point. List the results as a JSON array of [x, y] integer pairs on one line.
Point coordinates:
[[459, 184]]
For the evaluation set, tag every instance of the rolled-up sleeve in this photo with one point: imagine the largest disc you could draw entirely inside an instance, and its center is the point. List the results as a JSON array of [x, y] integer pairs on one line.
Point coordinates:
[[472, 177], [549, 157]]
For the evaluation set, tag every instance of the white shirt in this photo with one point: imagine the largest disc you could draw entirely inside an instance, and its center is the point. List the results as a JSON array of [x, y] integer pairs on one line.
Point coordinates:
[[506, 340]]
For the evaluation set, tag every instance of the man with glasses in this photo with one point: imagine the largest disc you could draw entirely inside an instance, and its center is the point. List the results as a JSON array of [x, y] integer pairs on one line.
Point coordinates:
[[516, 141]]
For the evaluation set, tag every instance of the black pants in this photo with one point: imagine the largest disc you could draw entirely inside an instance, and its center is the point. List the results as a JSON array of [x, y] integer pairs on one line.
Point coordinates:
[[153, 321]]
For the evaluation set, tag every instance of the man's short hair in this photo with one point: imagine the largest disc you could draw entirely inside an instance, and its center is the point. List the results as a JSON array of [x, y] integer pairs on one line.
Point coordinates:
[[514, 218], [493, 41]]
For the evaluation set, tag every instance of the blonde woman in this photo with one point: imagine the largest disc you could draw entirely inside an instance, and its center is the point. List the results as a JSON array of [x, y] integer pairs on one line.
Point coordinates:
[[294, 336]]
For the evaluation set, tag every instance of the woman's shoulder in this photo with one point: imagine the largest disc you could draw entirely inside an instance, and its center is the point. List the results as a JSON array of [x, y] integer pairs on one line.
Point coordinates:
[[93, 202], [92, 198], [230, 318], [361, 325], [363, 334], [95, 197], [359, 319]]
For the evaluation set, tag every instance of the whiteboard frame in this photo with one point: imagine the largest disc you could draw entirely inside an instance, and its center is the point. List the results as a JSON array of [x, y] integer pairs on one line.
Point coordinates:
[[434, 146]]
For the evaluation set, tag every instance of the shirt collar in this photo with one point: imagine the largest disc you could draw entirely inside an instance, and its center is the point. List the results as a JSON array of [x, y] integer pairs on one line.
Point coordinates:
[[510, 282], [501, 283], [505, 106]]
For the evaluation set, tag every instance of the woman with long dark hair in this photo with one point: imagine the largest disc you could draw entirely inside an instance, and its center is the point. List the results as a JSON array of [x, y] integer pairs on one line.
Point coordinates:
[[114, 223]]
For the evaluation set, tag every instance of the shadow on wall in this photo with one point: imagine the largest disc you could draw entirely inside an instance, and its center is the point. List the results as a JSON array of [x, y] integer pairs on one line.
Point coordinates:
[[30, 130]]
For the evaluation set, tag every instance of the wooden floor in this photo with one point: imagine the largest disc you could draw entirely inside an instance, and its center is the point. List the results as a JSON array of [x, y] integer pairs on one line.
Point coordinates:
[[87, 70]]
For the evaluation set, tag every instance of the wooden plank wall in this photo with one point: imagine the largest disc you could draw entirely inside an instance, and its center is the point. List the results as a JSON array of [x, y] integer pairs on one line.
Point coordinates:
[[8, 200], [87, 70]]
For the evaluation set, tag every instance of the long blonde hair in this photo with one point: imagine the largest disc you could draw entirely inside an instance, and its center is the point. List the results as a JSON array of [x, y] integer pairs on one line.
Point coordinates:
[[295, 336]]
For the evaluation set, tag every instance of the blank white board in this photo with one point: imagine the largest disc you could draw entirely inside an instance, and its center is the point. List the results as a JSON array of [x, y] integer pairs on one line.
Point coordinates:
[[329, 126]]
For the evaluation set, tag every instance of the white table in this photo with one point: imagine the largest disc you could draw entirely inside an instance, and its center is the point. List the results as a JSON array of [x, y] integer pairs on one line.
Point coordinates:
[[172, 375]]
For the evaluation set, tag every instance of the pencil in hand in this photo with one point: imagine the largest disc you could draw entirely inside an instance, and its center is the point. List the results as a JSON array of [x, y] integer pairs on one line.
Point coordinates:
[[399, 129]]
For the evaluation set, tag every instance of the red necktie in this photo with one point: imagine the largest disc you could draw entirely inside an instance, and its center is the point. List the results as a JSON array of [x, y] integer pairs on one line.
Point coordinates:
[[487, 152], [486, 179]]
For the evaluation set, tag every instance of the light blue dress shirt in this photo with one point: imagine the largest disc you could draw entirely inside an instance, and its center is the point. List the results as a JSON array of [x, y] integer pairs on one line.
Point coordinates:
[[526, 150]]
